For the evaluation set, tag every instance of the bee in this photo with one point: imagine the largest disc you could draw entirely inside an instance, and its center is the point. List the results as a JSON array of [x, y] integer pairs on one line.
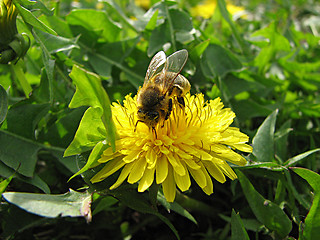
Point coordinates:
[[163, 82]]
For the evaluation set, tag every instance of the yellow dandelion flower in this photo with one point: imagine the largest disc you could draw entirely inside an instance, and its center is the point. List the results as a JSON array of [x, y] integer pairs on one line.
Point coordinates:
[[196, 141], [207, 8], [143, 3]]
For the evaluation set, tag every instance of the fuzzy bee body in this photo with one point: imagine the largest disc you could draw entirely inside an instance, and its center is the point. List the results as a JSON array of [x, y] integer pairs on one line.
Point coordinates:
[[163, 82]]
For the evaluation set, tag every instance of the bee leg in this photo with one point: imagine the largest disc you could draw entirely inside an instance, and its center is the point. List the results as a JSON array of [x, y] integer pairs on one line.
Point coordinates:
[[135, 127], [169, 109], [181, 101], [155, 132]]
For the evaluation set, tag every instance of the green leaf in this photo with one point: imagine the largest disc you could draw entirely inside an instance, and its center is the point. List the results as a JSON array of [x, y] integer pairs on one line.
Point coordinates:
[[4, 184], [71, 204], [281, 140], [49, 63], [54, 43], [94, 156], [238, 232], [28, 17], [176, 207], [218, 61], [32, 114], [263, 141], [224, 12], [96, 123], [248, 109], [104, 204], [21, 154], [152, 23], [3, 104], [292, 161], [197, 51], [268, 213], [18, 153], [312, 221], [95, 21], [21, 78], [126, 195], [36, 181], [159, 36]]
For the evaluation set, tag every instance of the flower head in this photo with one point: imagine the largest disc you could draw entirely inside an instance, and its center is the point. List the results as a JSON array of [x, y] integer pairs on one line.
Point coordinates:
[[12, 44], [196, 141], [207, 8]]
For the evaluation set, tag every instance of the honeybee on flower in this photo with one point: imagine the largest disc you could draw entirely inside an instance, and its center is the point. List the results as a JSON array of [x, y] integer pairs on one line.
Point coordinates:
[[193, 140]]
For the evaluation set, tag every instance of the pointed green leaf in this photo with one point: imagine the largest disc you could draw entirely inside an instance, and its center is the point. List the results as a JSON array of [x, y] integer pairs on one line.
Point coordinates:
[[300, 157], [126, 195], [96, 124], [18, 153], [49, 63], [4, 184], [3, 104], [36, 181], [224, 12], [268, 213], [95, 155], [55, 43], [71, 204], [263, 141], [94, 21], [218, 61], [312, 221], [176, 207], [238, 232], [28, 17]]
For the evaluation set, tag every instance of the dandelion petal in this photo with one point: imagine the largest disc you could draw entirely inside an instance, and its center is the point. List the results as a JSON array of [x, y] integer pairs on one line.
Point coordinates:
[[169, 186]]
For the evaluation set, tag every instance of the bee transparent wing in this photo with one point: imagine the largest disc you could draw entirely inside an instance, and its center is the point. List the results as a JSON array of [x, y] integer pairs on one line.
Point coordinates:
[[156, 62], [173, 66]]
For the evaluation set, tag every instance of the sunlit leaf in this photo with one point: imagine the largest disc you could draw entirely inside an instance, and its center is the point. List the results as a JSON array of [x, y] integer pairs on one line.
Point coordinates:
[[32, 20], [96, 124], [50, 205], [95, 20]]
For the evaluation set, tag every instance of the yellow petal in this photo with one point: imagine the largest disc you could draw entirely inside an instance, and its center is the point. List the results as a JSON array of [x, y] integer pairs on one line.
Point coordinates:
[[133, 155], [192, 163], [110, 168], [176, 164], [123, 175], [227, 170], [183, 182], [161, 169], [151, 158], [146, 180], [137, 171], [169, 186], [214, 171], [198, 176]]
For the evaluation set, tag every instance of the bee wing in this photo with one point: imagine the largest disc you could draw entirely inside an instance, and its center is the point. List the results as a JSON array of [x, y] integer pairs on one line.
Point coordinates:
[[172, 68], [156, 62]]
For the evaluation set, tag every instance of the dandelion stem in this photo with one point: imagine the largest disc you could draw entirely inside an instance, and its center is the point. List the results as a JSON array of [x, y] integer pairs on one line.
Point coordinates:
[[17, 69]]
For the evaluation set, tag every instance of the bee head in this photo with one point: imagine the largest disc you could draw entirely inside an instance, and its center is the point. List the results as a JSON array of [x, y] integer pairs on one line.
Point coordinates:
[[149, 117]]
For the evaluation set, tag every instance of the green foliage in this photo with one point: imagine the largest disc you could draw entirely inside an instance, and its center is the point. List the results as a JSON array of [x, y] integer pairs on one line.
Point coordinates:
[[55, 118]]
